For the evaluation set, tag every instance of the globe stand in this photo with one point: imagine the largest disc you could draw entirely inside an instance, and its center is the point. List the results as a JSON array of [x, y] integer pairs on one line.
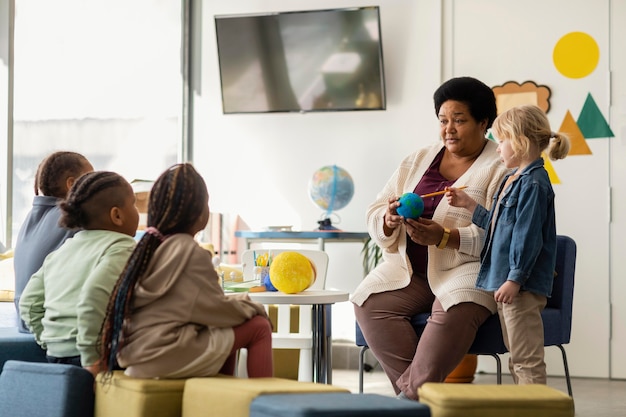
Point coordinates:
[[326, 224]]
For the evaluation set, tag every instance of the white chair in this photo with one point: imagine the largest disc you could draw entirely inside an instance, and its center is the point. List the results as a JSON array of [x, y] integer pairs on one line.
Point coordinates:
[[282, 338]]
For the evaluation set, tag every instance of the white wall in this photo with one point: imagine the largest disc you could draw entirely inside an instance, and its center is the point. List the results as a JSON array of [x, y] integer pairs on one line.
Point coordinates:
[[617, 151], [4, 94], [259, 165], [499, 41]]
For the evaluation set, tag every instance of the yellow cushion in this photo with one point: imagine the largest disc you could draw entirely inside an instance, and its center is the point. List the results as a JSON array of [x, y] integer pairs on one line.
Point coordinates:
[[206, 397], [122, 395], [7, 276], [471, 400], [6, 296]]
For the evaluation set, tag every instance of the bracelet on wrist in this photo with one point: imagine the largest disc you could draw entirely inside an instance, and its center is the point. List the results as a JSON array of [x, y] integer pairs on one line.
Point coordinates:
[[444, 239]]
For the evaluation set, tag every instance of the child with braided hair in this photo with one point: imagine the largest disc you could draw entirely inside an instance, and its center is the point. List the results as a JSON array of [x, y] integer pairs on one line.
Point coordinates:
[[64, 302], [168, 316], [40, 232]]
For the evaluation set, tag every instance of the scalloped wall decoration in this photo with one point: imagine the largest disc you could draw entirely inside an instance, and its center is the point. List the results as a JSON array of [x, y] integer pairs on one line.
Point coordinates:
[[512, 93]]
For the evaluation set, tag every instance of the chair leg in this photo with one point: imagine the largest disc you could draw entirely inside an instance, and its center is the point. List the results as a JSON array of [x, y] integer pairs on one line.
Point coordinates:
[[498, 366], [362, 367], [566, 367], [241, 370]]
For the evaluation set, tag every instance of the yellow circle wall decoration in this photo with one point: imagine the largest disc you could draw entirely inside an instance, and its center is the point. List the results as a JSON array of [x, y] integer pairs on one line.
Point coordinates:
[[576, 55]]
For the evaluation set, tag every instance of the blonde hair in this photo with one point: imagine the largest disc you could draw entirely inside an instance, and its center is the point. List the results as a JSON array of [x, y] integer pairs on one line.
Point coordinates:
[[528, 125]]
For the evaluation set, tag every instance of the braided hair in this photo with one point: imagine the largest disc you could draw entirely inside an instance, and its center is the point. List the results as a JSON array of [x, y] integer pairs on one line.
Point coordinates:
[[177, 199], [53, 172], [92, 195]]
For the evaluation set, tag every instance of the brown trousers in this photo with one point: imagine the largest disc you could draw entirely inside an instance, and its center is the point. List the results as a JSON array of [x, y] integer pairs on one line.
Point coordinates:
[[407, 360]]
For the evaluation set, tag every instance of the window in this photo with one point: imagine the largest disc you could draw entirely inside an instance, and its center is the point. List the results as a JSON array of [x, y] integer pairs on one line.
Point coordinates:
[[102, 78]]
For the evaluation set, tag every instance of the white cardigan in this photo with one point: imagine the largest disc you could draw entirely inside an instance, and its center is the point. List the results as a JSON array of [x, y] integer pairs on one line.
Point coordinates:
[[451, 273]]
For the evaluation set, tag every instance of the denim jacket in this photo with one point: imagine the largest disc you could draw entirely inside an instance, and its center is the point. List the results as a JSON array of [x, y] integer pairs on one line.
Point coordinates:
[[522, 245]]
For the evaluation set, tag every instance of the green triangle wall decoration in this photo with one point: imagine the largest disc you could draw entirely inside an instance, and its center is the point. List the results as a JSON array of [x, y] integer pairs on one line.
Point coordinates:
[[591, 122]]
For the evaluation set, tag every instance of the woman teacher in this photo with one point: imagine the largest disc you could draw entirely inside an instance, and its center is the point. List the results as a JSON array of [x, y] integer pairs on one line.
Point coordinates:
[[430, 264]]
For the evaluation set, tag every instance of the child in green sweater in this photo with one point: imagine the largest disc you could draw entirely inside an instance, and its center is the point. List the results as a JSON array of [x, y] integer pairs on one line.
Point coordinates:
[[65, 301]]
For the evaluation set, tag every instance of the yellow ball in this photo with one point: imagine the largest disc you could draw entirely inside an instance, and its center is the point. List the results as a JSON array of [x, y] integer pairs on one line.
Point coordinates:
[[292, 272]]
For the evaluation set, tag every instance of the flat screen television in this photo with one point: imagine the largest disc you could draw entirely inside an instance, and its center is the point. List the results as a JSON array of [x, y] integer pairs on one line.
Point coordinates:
[[304, 61]]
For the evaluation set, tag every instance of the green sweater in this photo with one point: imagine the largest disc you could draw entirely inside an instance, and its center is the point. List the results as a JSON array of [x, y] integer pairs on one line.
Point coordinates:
[[65, 301]]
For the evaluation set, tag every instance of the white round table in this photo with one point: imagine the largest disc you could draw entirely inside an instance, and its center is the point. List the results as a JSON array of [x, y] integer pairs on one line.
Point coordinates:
[[321, 325]]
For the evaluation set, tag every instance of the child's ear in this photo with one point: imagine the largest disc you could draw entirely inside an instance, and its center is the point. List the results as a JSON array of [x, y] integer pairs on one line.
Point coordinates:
[[69, 181], [117, 216]]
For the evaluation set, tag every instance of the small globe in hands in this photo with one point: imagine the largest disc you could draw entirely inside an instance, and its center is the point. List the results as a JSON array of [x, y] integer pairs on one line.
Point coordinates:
[[411, 206]]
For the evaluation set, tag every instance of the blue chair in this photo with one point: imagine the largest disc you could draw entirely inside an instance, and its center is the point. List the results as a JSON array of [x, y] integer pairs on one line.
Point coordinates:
[[557, 318]]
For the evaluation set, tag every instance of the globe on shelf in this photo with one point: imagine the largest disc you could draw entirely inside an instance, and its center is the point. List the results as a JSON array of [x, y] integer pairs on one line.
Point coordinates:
[[330, 189]]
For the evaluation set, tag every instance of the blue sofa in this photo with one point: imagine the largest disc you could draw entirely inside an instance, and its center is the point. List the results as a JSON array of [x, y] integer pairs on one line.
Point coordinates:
[[19, 346], [29, 389]]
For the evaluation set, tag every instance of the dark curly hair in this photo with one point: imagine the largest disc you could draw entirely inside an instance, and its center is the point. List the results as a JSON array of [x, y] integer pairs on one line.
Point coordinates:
[[55, 169], [478, 97]]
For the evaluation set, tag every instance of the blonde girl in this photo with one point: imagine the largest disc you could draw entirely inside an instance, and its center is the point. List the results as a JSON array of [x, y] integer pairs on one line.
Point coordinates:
[[519, 253]]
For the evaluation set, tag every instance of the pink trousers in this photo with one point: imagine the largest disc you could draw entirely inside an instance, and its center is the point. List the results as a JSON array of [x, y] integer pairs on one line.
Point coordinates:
[[255, 335]]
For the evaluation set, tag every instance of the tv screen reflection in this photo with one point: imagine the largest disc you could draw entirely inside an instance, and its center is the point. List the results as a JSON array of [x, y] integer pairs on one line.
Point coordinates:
[[328, 60]]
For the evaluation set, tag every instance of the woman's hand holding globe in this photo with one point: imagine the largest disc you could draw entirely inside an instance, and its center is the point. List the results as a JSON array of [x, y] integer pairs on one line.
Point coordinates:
[[411, 206]]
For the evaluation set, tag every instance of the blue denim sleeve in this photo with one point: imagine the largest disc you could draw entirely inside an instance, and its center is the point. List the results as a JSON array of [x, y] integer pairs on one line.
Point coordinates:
[[481, 217], [527, 236]]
